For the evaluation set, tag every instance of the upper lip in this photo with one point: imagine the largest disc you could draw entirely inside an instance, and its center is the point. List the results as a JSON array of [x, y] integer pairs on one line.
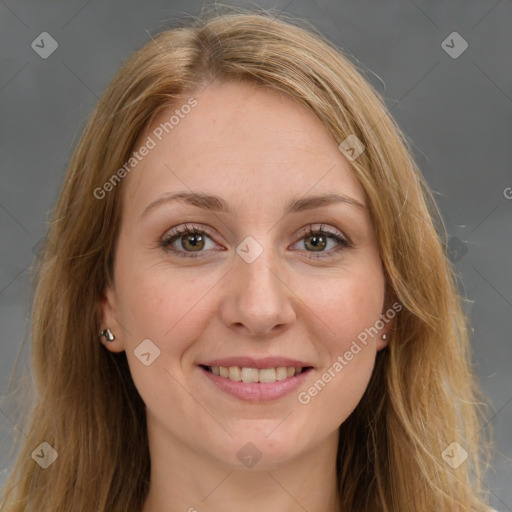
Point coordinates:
[[251, 362]]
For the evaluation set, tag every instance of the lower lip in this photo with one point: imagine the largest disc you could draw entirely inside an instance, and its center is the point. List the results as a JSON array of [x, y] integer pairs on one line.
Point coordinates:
[[257, 392]]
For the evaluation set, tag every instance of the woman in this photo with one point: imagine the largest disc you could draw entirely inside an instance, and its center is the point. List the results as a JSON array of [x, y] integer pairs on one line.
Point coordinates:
[[244, 300]]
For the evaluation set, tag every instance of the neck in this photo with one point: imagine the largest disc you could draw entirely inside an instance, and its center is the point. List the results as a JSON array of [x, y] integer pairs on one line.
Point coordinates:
[[184, 480]]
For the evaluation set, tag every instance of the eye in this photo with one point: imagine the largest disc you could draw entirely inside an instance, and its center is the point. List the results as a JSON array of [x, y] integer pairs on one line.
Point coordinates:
[[186, 242], [317, 240], [189, 242]]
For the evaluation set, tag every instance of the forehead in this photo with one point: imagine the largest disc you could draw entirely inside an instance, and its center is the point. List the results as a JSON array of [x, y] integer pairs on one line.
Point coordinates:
[[238, 141]]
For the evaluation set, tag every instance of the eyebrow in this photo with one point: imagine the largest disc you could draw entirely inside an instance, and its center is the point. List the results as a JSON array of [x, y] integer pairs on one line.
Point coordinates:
[[217, 204]]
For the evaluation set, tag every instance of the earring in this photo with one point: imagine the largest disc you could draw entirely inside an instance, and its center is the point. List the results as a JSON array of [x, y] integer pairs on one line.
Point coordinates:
[[107, 334], [384, 336]]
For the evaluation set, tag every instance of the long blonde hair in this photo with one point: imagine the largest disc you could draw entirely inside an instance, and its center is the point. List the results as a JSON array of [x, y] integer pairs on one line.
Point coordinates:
[[422, 396]]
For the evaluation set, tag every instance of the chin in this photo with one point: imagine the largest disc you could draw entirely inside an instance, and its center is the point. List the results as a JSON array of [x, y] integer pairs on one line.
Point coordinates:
[[259, 451]]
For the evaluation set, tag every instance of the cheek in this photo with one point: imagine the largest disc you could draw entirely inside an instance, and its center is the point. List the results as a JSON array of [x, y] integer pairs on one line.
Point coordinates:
[[169, 310], [347, 307], [346, 314], [170, 313]]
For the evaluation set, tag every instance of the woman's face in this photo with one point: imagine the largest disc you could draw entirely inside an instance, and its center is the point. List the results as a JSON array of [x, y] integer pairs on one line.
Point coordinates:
[[260, 285]]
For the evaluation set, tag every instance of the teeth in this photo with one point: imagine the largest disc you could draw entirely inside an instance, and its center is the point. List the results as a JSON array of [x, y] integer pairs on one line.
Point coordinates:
[[254, 374], [267, 375], [282, 372], [235, 373], [250, 375]]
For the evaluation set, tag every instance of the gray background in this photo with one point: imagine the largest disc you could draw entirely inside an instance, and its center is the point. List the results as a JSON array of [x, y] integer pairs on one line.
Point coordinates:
[[456, 112]]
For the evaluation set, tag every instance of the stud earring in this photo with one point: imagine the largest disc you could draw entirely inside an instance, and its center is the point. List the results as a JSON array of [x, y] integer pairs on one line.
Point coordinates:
[[107, 334], [384, 336]]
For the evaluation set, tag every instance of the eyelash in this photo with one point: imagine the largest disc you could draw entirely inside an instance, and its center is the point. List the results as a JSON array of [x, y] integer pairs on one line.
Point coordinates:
[[167, 241]]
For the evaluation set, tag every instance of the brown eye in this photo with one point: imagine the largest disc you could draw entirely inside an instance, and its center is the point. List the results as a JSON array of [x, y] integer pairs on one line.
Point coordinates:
[[188, 242], [316, 242], [323, 242], [192, 242]]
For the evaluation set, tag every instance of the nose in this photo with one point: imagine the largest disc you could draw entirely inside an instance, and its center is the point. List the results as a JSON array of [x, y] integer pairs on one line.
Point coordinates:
[[257, 301]]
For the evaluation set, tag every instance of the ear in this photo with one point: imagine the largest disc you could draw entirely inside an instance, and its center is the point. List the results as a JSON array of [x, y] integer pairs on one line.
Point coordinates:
[[387, 317], [108, 315], [384, 335]]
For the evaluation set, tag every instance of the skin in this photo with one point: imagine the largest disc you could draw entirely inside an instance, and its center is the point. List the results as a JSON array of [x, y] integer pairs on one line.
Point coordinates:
[[257, 149]]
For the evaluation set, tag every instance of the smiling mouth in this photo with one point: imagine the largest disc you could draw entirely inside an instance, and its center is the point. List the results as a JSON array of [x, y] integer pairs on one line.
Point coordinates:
[[256, 375]]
